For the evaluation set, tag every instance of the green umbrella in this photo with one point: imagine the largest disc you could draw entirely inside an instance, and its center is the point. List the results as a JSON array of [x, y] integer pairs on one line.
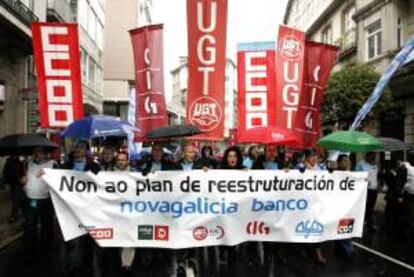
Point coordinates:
[[350, 141]]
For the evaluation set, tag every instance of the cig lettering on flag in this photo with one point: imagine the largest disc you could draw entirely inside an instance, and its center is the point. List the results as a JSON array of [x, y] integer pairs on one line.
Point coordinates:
[[206, 23], [256, 85], [56, 53], [289, 75], [151, 110], [319, 60]]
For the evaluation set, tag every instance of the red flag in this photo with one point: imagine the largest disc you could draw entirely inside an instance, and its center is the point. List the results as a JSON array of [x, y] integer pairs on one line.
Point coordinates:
[[319, 59], [289, 75], [206, 23], [56, 53], [151, 110], [256, 84]]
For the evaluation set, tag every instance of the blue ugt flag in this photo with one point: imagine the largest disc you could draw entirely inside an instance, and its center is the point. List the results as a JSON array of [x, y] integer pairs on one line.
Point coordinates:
[[404, 56]]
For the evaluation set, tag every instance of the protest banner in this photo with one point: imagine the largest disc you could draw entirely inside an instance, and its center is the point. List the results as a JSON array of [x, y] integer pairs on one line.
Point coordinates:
[[56, 53], [319, 60], [289, 67], [206, 24], [150, 106], [175, 209], [256, 85]]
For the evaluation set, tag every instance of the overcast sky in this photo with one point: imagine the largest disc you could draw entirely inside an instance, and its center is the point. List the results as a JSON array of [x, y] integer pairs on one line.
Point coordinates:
[[248, 21]]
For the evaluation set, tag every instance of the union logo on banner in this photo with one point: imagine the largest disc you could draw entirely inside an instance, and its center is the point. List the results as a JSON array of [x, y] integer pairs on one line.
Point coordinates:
[[150, 106], [206, 113], [56, 53], [291, 47], [206, 23]]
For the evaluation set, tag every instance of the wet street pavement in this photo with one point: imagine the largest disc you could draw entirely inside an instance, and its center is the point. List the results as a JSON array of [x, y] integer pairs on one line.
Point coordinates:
[[377, 254]]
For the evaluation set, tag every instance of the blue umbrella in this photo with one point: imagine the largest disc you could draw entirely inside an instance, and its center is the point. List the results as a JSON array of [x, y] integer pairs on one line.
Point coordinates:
[[97, 126]]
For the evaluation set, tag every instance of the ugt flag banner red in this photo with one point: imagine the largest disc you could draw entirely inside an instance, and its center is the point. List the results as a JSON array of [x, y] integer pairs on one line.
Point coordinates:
[[289, 75], [151, 110], [256, 85], [56, 54], [206, 24], [319, 59]]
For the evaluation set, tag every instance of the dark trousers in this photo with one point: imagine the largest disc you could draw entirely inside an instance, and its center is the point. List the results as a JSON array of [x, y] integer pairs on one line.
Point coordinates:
[[369, 208], [35, 210], [17, 197], [77, 257]]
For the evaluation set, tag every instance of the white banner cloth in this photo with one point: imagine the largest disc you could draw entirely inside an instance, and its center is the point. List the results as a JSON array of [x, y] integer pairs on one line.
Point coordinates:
[[176, 209]]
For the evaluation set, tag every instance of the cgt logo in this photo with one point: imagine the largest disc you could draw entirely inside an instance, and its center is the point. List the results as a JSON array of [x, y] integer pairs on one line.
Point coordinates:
[[153, 232], [346, 226], [257, 228], [101, 233], [202, 232]]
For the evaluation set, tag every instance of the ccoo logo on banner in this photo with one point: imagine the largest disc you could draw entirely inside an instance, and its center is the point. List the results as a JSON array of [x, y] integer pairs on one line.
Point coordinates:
[[256, 78], [56, 53]]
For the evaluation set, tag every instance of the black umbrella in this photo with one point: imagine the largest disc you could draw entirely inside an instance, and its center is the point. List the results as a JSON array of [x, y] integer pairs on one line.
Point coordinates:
[[24, 144], [392, 144], [186, 130]]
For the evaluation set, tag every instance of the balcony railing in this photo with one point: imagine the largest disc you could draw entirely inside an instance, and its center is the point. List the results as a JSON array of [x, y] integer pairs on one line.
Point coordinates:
[[347, 40], [60, 9], [19, 10]]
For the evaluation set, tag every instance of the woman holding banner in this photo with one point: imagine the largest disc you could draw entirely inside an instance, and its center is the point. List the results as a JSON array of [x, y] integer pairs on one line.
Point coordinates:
[[233, 160]]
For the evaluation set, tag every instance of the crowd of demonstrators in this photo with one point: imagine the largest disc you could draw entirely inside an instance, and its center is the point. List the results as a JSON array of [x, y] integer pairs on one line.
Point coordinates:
[[82, 255]]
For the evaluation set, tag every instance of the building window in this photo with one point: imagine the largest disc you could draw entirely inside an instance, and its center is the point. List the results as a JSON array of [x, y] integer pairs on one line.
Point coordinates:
[[99, 35], [99, 78], [74, 11], [83, 8], [374, 40], [348, 36], [28, 3], [399, 33], [110, 108], [84, 66], [326, 36], [92, 24], [92, 74]]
